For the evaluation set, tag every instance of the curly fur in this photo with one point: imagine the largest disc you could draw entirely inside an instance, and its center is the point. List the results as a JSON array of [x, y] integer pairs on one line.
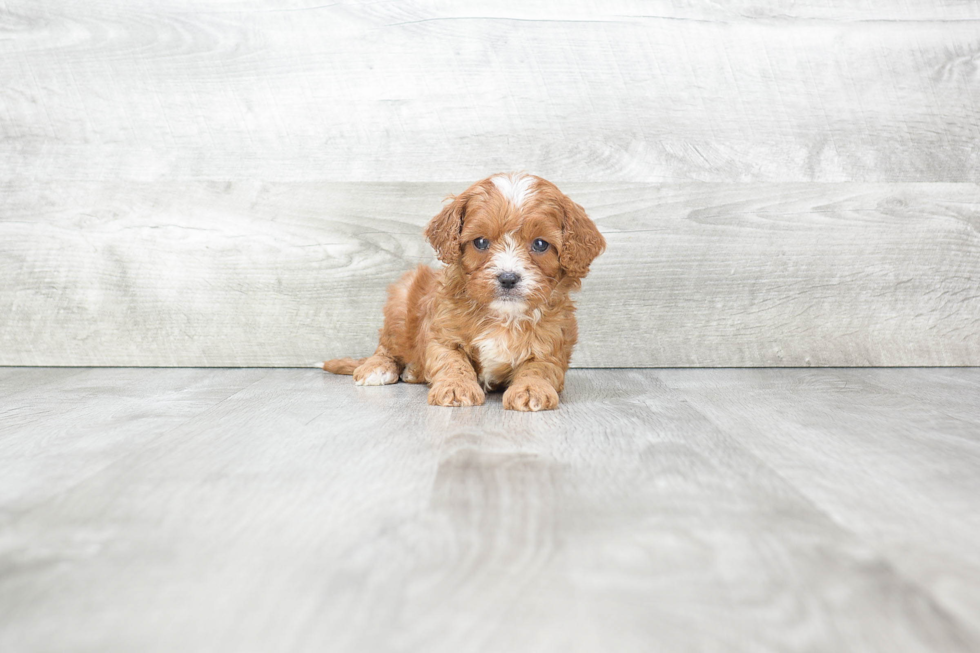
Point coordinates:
[[463, 332]]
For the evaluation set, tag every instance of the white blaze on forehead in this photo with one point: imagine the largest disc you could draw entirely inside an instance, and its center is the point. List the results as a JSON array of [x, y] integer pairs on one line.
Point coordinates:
[[516, 187]]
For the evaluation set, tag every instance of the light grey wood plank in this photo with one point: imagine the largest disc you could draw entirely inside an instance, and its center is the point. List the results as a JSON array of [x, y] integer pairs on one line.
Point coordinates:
[[14, 380], [952, 391], [55, 435], [896, 469], [262, 274], [396, 91], [305, 512]]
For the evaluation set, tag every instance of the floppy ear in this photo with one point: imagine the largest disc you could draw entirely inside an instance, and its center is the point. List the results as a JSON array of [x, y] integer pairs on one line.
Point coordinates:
[[444, 229], [581, 240]]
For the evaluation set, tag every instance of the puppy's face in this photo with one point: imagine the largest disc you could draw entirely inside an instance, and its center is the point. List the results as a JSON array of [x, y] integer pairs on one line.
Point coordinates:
[[510, 242], [513, 238]]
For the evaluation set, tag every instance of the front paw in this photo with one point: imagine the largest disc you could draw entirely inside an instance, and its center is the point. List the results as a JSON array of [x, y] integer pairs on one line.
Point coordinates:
[[460, 392], [531, 396]]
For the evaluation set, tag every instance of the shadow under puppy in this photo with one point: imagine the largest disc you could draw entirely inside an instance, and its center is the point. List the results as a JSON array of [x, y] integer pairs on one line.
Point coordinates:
[[499, 314]]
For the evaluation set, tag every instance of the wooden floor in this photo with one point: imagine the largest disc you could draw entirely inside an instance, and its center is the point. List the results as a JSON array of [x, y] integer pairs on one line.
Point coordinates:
[[675, 510]]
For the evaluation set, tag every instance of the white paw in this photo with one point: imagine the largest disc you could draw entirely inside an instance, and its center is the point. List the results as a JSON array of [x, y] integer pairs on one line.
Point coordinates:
[[378, 377]]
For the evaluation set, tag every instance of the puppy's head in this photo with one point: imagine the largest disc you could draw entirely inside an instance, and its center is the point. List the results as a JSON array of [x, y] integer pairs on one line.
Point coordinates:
[[510, 240]]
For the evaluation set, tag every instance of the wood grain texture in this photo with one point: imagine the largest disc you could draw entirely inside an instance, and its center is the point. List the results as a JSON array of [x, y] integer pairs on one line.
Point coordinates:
[[234, 183], [275, 274], [835, 436], [397, 91], [74, 404], [288, 510]]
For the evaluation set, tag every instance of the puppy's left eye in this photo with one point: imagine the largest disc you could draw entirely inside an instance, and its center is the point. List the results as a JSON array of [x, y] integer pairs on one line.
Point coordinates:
[[539, 245]]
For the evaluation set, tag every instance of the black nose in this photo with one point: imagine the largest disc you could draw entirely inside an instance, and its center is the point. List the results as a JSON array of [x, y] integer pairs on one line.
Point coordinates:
[[508, 280]]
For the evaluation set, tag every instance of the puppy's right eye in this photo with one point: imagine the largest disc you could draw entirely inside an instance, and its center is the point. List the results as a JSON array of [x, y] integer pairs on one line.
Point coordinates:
[[481, 243]]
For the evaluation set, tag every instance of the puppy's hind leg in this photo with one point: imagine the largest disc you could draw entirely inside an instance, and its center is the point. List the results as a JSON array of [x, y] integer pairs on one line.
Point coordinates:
[[379, 369], [397, 334]]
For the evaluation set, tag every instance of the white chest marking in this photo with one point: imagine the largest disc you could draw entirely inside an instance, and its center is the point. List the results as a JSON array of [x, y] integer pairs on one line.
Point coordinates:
[[496, 359]]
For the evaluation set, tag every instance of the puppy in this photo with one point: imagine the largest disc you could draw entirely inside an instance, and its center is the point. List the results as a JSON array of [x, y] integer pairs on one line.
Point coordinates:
[[498, 315]]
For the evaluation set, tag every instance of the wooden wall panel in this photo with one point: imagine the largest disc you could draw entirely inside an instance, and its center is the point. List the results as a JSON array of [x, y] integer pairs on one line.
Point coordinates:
[[209, 273], [419, 91], [234, 183]]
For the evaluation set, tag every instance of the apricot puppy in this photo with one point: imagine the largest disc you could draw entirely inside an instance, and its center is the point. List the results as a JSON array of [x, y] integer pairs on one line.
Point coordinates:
[[498, 315]]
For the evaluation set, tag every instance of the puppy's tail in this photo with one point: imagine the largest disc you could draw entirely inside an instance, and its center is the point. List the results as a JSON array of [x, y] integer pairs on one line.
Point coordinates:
[[342, 365]]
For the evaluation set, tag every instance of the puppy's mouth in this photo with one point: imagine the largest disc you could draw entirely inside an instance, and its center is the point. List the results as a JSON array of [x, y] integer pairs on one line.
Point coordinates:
[[510, 295]]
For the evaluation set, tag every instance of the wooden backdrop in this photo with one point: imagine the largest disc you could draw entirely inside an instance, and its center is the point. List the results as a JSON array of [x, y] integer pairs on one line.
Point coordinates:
[[229, 183]]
